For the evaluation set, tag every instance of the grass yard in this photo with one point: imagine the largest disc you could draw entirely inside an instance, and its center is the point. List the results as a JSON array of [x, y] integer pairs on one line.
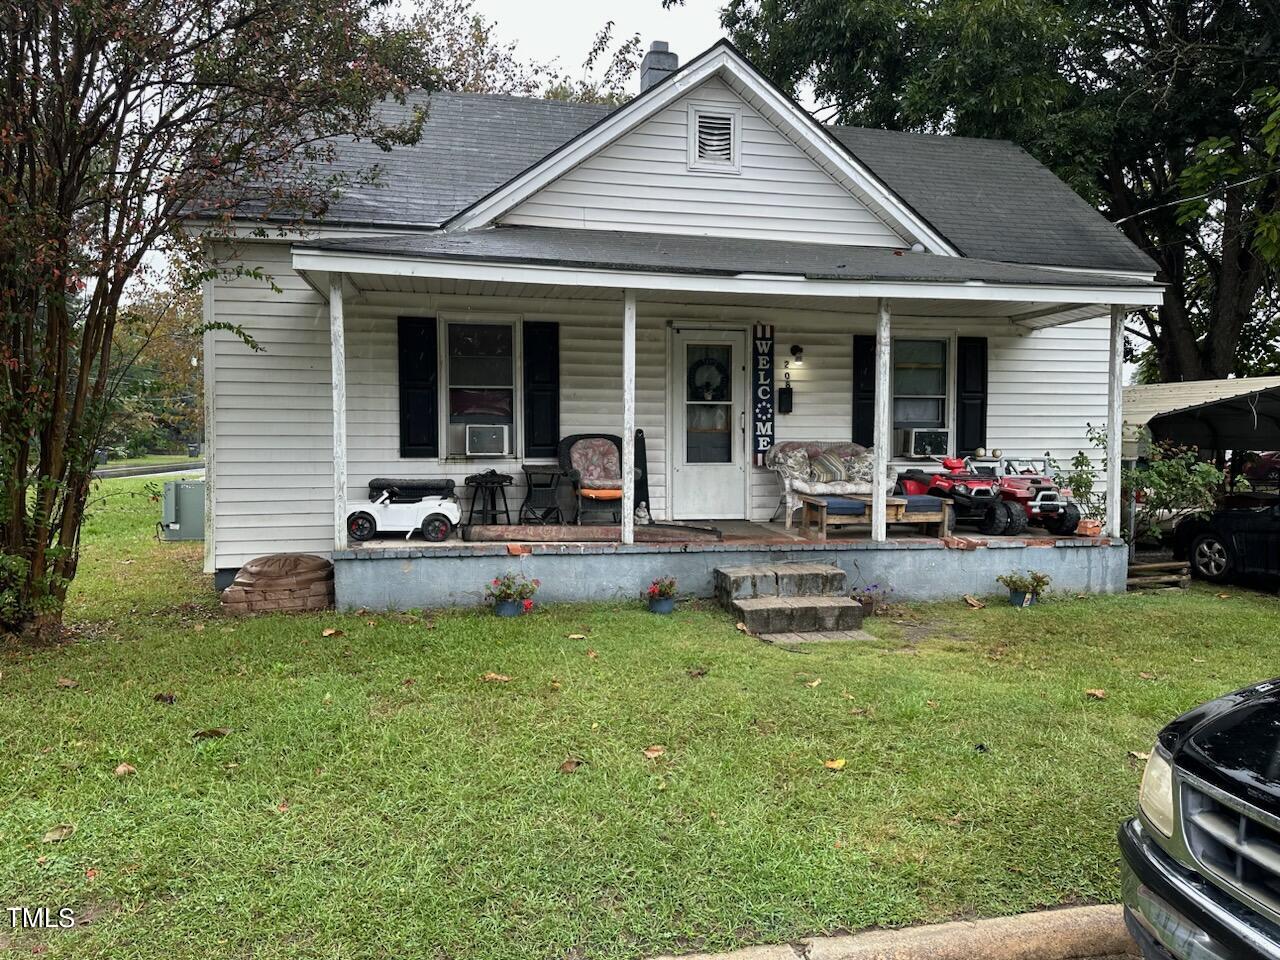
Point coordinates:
[[150, 460], [374, 796]]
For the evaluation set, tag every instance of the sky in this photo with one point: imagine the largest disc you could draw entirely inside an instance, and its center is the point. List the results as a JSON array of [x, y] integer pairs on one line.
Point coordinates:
[[562, 30]]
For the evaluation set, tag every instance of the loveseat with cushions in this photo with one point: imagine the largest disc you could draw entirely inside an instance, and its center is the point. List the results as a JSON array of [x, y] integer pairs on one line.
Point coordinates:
[[820, 469]]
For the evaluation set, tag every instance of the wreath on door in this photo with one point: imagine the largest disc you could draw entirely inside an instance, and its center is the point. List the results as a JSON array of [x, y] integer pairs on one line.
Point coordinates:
[[709, 379]]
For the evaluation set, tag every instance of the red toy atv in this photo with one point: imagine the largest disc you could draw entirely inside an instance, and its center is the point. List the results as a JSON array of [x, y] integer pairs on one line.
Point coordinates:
[[1001, 497]]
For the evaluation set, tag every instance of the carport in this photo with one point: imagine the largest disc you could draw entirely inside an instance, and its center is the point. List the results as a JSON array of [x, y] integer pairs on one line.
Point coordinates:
[[1246, 421]]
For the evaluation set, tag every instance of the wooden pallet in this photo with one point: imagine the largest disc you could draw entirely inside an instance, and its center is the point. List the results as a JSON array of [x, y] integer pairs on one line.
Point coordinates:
[[1175, 574]]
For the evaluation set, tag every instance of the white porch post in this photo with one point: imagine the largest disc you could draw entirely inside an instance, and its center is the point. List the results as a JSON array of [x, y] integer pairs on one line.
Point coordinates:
[[338, 356], [629, 416], [882, 435], [1115, 422]]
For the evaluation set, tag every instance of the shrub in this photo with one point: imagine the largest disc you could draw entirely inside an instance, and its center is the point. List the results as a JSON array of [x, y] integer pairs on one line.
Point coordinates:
[[1033, 582]]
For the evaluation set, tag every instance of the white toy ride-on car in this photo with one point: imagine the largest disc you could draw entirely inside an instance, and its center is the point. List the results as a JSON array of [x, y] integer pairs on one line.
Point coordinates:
[[407, 506]]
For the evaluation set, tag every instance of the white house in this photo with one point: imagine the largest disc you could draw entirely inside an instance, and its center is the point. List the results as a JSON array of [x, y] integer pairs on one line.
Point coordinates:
[[545, 269]]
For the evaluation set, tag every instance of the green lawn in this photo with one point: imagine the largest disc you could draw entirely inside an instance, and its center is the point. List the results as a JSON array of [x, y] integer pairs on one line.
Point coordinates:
[[148, 460], [374, 797]]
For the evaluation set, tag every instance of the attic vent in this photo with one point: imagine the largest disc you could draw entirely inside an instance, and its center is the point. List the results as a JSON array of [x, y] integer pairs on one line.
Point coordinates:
[[713, 139]]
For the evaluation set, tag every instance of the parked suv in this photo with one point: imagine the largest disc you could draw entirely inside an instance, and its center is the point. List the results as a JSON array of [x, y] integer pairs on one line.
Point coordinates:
[[1201, 872]]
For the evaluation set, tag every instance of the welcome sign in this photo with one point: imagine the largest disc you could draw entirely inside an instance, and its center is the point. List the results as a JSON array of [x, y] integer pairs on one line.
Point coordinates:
[[761, 391]]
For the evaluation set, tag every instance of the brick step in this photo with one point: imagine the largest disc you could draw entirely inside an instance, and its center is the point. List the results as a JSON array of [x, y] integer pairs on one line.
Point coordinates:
[[778, 580], [797, 614]]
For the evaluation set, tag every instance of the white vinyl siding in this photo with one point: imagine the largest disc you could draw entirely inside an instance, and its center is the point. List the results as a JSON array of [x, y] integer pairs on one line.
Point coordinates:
[[273, 461], [644, 182]]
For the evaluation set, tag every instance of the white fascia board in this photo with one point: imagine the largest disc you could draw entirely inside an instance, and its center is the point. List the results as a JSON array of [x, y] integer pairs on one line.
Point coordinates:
[[723, 60], [306, 260]]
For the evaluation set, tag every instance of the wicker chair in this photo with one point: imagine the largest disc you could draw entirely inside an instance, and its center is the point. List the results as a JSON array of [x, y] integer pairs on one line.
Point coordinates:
[[593, 464]]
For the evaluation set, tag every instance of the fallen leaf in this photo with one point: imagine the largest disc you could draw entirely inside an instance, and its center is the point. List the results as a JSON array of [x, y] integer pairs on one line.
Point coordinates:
[[697, 672], [371, 623], [91, 874], [655, 751], [331, 632], [1196, 660], [862, 711], [283, 806], [165, 697], [1147, 676], [126, 770], [62, 831], [555, 684], [1139, 755], [571, 764], [67, 683], [837, 764], [198, 628], [814, 683], [1096, 694], [213, 733], [974, 602], [1224, 596], [492, 677], [591, 654], [575, 636], [933, 704], [741, 627]]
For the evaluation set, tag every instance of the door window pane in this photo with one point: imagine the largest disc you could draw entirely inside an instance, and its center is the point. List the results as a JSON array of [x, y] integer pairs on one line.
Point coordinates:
[[709, 369], [708, 433]]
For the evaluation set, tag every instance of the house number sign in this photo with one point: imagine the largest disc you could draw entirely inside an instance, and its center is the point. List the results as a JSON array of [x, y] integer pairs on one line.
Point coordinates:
[[761, 391]]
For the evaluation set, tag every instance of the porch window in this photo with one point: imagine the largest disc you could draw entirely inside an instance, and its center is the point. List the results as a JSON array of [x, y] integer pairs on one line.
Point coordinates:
[[480, 386], [919, 384]]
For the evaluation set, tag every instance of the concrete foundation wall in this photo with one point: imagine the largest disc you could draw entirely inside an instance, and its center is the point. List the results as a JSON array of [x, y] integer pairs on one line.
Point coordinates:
[[916, 570]]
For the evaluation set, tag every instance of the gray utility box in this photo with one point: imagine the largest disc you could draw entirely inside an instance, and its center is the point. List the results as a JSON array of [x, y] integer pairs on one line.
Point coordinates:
[[183, 517]]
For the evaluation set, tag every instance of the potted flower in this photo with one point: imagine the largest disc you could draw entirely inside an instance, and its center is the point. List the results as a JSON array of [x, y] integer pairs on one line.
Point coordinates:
[[512, 594], [662, 595], [1024, 589]]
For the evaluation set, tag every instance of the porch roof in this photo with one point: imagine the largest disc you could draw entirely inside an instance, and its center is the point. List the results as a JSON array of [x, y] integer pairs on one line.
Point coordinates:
[[699, 263]]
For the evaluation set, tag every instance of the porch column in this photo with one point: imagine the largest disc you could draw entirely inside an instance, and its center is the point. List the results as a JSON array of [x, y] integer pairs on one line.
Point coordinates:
[[1115, 421], [628, 416], [338, 357], [882, 435]]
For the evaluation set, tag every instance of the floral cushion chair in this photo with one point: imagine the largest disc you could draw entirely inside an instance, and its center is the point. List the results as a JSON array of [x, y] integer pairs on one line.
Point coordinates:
[[593, 463], [819, 469]]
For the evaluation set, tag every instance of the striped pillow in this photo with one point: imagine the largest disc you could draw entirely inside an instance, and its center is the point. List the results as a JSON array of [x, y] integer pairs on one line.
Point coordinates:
[[826, 468]]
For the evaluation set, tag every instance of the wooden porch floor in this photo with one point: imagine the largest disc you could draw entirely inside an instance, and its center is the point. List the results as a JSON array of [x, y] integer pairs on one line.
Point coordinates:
[[738, 533]]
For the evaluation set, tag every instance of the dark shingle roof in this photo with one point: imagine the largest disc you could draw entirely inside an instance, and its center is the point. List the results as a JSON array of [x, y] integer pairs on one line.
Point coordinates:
[[988, 198], [992, 199], [714, 256], [471, 144]]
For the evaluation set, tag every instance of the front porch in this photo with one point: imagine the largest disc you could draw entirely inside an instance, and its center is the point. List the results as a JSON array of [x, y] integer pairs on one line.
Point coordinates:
[[400, 574], [669, 347]]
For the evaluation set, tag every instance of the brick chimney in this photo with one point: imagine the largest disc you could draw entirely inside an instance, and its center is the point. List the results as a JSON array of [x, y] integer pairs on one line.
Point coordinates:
[[658, 64]]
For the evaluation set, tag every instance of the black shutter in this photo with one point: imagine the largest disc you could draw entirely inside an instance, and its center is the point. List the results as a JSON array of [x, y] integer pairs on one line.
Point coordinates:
[[419, 367], [541, 388], [864, 390], [971, 394]]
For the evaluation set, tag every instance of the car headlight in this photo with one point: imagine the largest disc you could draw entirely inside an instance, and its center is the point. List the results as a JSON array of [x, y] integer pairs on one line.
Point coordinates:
[[1155, 798]]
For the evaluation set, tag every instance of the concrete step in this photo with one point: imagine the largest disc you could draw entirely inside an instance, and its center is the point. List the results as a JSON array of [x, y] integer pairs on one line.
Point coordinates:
[[763, 615], [778, 580]]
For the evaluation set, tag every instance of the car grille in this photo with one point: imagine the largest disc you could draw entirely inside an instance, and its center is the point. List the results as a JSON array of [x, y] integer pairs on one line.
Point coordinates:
[[1233, 844]]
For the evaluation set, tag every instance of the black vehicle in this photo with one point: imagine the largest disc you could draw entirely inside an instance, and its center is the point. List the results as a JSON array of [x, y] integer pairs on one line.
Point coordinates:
[[1241, 537], [1201, 871]]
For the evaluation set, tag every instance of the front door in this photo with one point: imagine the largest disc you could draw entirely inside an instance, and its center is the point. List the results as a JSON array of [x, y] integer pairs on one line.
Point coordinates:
[[709, 472]]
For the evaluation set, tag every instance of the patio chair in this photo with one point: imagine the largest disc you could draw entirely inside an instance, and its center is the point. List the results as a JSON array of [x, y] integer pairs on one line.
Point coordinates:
[[593, 464]]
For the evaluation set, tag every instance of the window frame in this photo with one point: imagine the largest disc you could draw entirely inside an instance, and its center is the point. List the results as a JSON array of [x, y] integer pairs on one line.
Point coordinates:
[[516, 435], [734, 113], [948, 383]]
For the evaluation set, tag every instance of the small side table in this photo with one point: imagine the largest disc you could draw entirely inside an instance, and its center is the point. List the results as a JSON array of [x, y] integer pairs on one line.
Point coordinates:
[[485, 489], [542, 497]]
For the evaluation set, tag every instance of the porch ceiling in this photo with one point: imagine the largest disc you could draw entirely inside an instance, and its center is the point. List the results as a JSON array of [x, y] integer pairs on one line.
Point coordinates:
[[599, 265]]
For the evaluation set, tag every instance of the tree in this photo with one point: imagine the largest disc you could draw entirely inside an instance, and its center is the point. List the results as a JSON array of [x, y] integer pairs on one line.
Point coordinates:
[[119, 119], [1162, 113], [155, 399]]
